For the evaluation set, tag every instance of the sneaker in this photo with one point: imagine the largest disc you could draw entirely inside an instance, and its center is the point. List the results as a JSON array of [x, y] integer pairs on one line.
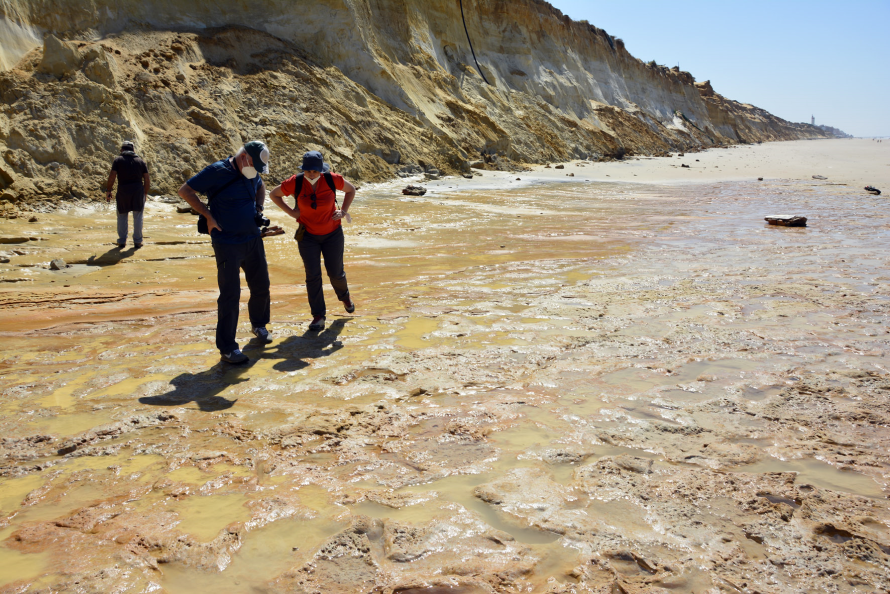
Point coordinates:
[[261, 333], [317, 323], [236, 357], [349, 305], [119, 244], [137, 245]]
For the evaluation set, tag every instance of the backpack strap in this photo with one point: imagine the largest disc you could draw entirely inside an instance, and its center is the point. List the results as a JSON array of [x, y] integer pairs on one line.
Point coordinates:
[[298, 186], [330, 179]]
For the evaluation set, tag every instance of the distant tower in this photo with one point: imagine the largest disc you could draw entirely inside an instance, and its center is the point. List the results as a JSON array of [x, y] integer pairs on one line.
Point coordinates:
[[813, 120]]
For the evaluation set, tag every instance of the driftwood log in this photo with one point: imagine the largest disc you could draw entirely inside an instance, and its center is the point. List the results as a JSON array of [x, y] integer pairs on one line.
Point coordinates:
[[786, 220]]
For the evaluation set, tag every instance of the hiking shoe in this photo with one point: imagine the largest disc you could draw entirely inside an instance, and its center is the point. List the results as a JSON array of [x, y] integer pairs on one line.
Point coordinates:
[[261, 333], [317, 323], [137, 245], [236, 357], [349, 305]]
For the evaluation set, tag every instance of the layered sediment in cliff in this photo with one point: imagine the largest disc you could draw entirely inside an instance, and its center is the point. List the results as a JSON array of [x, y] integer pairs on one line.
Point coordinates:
[[378, 85]]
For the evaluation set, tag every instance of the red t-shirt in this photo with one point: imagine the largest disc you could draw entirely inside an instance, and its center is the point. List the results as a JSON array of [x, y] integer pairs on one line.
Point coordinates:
[[319, 220]]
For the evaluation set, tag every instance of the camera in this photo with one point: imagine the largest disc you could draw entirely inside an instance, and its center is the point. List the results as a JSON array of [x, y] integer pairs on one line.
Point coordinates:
[[260, 220]]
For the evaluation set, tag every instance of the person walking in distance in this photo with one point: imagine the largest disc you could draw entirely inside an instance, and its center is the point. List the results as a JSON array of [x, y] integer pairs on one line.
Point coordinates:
[[235, 195], [133, 183], [320, 232]]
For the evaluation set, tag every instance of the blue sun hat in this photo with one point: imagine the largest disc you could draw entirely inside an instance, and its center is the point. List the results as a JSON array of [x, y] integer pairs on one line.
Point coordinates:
[[314, 161]]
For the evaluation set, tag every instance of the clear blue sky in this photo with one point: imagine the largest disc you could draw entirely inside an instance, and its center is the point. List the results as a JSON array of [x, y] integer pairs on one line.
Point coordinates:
[[793, 58]]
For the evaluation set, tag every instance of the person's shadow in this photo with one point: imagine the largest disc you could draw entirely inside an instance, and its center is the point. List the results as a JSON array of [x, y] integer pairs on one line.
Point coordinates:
[[204, 388], [111, 257], [294, 350]]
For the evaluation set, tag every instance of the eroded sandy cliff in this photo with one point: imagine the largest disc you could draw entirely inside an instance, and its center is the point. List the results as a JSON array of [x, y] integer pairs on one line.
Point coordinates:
[[376, 84]]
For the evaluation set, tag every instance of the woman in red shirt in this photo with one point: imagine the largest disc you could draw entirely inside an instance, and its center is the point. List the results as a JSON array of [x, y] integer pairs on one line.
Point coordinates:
[[316, 209]]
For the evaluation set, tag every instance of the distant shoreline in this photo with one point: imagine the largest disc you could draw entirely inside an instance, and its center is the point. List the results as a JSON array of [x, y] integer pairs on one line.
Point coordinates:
[[851, 161]]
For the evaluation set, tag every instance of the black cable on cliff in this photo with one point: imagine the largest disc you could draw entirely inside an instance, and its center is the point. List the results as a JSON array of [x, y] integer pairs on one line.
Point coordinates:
[[479, 68]]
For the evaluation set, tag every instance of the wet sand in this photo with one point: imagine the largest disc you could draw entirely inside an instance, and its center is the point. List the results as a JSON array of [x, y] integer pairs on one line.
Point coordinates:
[[553, 387]]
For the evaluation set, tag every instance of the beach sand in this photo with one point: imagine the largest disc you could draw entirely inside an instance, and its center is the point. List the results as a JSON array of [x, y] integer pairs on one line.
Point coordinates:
[[630, 383], [857, 162]]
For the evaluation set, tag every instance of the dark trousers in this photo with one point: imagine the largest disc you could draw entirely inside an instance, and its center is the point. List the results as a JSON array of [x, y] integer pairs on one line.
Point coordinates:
[[230, 260], [312, 248]]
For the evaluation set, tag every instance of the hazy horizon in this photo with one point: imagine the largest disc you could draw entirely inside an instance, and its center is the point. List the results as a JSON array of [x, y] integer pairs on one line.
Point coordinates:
[[794, 59]]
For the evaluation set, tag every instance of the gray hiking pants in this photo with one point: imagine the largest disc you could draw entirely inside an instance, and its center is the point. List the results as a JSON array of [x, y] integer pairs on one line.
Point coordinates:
[[122, 223]]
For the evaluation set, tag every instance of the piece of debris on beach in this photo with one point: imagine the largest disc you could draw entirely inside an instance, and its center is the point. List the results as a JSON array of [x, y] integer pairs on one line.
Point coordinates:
[[414, 191], [873, 190], [272, 231], [786, 220]]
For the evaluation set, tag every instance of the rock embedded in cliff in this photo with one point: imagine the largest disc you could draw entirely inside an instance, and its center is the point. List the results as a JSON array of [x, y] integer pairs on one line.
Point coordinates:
[[205, 120], [409, 170], [99, 66], [59, 57]]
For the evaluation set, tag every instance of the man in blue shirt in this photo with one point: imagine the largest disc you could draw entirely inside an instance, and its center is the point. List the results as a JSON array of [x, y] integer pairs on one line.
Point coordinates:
[[236, 195]]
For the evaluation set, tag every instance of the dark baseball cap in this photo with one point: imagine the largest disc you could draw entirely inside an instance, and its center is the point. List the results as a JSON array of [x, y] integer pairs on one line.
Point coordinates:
[[259, 152], [313, 161], [128, 145]]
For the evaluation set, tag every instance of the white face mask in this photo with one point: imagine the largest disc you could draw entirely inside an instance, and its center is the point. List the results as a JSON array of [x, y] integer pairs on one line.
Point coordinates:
[[249, 172]]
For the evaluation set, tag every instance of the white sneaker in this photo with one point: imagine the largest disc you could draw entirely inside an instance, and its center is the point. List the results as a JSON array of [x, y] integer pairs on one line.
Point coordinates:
[[261, 333]]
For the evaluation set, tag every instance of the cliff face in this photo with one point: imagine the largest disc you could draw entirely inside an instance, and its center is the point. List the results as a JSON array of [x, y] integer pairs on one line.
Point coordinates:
[[376, 84]]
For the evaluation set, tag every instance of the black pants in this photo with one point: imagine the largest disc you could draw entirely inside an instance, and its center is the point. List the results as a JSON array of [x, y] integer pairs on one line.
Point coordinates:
[[230, 260], [312, 248]]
